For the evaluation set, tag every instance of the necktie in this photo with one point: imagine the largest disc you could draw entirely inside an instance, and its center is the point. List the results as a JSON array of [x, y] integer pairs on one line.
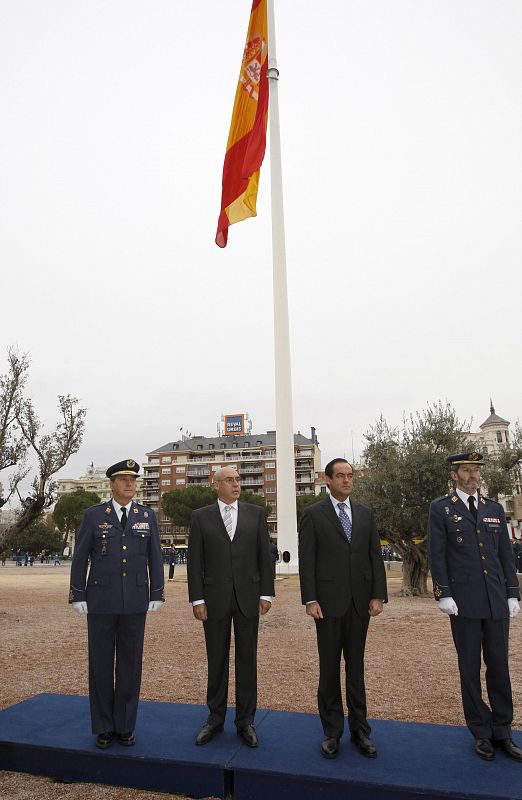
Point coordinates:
[[345, 521], [471, 503], [227, 519], [123, 517]]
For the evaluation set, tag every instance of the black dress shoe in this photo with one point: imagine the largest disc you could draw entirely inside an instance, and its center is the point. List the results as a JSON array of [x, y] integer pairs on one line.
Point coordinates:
[[104, 740], [484, 749], [248, 735], [207, 733], [329, 747], [364, 744], [509, 747], [126, 739]]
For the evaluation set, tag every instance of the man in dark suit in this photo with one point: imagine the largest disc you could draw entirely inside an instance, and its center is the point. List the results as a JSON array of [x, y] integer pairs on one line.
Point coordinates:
[[230, 579], [343, 584], [119, 544], [474, 581]]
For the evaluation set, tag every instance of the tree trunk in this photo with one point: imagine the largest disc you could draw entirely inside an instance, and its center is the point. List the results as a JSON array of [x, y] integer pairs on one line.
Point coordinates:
[[30, 514], [414, 571]]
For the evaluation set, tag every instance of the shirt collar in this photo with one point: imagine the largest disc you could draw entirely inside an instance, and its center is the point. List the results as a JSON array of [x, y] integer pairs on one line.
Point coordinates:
[[222, 505], [464, 497], [118, 507], [336, 502]]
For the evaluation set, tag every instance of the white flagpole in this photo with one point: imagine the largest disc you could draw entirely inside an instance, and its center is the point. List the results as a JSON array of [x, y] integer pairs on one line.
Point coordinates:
[[286, 511]]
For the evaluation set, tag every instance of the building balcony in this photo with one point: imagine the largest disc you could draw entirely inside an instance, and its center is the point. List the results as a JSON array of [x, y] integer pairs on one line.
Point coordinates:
[[252, 481], [305, 465], [252, 469], [150, 474], [304, 454], [300, 492], [151, 498], [305, 479], [197, 482], [198, 471]]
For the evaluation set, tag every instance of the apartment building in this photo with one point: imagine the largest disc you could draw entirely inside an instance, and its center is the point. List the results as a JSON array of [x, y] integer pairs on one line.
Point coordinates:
[[192, 460]]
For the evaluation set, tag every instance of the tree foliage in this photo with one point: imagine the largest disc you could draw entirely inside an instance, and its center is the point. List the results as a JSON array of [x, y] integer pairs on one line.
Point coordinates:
[[38, 537], [68, 512], [21, 435], [302, 501], [405, 468], [179, 504]]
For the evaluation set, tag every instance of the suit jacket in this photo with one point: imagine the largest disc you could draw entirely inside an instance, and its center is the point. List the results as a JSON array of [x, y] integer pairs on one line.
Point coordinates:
[[471, 561], [217, 566], [334, 571], [119, 562]]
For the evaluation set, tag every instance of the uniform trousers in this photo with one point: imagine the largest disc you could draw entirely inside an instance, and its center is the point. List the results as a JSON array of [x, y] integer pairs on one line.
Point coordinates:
[[115, 657], [217, 641], [346, 635], [471, 636]]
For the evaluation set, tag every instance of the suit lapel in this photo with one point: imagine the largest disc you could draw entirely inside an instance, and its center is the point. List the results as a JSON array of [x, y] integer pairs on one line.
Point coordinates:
[[464, 509], [331, 515], [111, 515], [218, 521]]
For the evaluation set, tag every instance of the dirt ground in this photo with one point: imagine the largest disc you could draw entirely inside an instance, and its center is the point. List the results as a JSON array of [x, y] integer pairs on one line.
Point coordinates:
[[411, 669]]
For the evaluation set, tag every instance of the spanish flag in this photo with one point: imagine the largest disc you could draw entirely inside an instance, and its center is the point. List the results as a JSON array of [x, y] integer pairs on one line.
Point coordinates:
[[247, 138]]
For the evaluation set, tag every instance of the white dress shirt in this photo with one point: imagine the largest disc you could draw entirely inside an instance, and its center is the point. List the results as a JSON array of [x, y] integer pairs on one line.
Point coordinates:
[[346, 502], [118, 508], [464, 497]]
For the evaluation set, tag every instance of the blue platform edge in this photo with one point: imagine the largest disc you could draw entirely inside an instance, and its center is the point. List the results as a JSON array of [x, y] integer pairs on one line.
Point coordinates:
[[49, 735]]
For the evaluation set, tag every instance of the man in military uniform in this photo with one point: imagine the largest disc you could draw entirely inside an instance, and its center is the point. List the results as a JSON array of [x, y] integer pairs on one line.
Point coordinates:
[[121, 541], [474, 581]]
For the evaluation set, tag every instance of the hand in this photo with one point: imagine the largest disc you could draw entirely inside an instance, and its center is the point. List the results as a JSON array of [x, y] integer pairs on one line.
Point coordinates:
[[264, 606], [514, 606], [376, 607], [314, 610], [200, 612], [155, 605], [80, 607], [448, 605]]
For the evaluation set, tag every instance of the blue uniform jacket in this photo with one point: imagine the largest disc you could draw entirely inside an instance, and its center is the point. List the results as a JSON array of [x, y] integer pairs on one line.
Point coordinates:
[[120, 563], [471, 561]]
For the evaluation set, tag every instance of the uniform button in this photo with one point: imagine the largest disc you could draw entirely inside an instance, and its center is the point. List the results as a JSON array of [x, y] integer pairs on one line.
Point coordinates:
[[125, 560], [478, 530], [124, 574], [485, 572], [483, 558], [124, 546], [481, 544]]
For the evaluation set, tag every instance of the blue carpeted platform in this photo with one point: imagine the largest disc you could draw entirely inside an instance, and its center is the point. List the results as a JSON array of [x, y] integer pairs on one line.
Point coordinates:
[[50, 735]]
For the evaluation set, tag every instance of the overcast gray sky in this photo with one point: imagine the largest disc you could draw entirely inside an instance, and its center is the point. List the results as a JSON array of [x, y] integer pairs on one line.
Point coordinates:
[[401, 137]]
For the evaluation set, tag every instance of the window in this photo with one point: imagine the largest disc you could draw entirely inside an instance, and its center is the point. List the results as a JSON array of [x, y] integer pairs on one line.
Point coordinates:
[[247, 444], [499, 436], [270, 453], [165, 470], [166, 460], [223, 445], [180, 469], [165, 483], [180, 481], [211, 446], [200, 447], [271, 476], [270, 465], [270, 489], [323, 490], [154, 461]]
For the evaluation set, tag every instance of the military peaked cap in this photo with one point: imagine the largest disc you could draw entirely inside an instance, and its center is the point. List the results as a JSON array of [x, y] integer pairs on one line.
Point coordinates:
[[465, 458], [127, 467]]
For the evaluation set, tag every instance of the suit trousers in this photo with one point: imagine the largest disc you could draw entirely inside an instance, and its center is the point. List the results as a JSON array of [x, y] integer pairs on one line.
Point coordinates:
[[115, 640], [491, 636], [346, 635], [217, 640]]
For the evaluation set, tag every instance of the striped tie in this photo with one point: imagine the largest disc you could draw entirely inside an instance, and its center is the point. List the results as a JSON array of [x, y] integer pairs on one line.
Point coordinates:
[[345, 521], [227, 519]]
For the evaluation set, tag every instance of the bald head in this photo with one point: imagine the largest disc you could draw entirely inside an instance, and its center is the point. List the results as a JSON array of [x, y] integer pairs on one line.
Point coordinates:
[[227, 484]]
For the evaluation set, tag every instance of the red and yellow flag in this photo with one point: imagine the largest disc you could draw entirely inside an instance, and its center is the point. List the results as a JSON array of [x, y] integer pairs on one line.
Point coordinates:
[[247, 138]]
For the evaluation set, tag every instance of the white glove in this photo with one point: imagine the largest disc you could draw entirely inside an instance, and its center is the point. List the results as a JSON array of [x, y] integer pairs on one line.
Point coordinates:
[[155, 605], [514, 606], [448, 605], [80, 607]]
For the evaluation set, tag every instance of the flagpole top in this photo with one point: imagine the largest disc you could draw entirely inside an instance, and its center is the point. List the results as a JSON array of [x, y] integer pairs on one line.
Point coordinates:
[[272, 74]]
